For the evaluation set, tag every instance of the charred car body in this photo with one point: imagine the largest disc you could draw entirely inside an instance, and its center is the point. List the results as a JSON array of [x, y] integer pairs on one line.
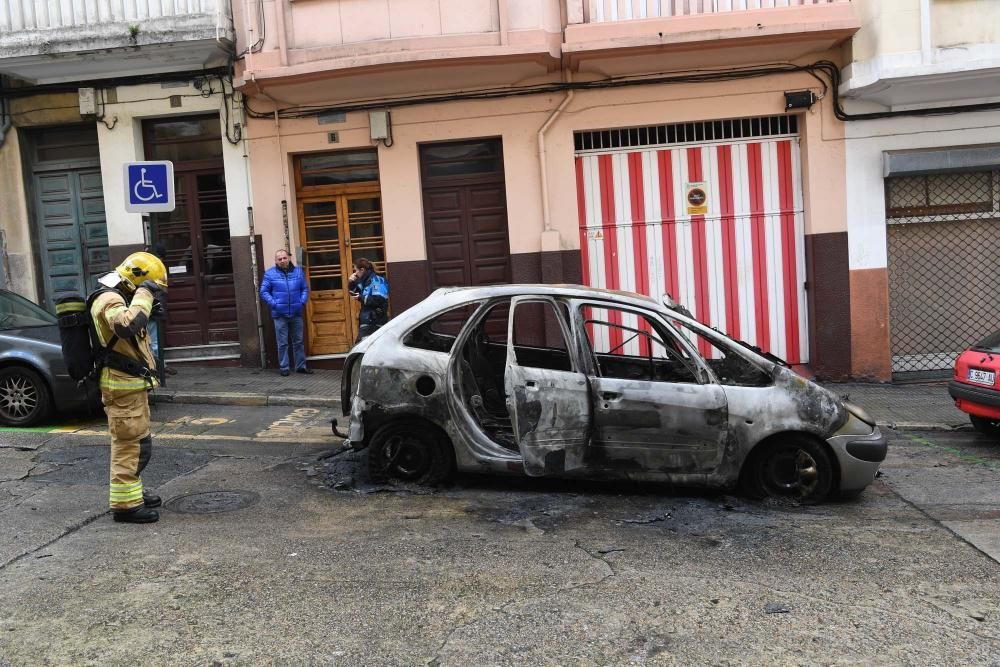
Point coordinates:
[[572, 381]]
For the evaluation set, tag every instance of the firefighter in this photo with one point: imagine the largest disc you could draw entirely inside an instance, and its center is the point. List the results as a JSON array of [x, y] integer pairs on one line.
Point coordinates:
[[120, 316]]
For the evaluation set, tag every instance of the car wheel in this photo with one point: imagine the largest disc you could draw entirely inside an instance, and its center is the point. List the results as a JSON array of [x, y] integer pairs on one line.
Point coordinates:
[[990, 427], [795, 467], [24, 396], [410, 451]]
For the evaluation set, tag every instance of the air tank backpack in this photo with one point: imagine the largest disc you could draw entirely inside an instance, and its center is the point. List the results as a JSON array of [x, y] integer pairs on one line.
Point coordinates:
[[81, 350]]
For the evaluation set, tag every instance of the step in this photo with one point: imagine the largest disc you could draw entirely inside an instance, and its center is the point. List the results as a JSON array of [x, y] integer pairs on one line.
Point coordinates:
[[214, 352]]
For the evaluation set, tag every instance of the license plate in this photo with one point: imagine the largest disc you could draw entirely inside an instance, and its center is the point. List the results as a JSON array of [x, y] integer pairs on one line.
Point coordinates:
[[982, 377]]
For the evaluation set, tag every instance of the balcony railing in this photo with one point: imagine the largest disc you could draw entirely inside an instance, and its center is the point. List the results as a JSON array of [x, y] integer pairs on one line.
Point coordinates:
[[604, 11], [30, 15]]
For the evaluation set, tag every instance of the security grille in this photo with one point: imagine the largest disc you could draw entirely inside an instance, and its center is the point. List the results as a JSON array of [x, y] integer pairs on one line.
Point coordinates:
[[686, 133], [943, 236]]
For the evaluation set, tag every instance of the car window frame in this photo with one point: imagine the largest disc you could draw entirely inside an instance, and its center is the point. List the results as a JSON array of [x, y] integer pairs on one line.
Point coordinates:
[[565, 327], [702, 372], [729, 345], [33, 308], [455, 306]]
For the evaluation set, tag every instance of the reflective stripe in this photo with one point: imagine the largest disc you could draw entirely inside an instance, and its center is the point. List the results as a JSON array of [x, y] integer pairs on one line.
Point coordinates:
[[125, 384], [123, 493], [70, 307]]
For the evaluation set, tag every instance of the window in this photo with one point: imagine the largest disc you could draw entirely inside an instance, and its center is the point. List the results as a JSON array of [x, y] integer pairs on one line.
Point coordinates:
[[538, 337], [439, 334], [629, 345], [17, 312], [939, 194], [338, 168], [729, 366]]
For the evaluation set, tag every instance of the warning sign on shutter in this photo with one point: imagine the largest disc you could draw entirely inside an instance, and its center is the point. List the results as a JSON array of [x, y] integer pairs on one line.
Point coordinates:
[[697, 198]]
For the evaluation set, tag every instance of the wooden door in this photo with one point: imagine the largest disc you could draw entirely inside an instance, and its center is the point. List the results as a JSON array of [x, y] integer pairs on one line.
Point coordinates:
[[73, 234], [465, 213], [69, 210], [193, 239]]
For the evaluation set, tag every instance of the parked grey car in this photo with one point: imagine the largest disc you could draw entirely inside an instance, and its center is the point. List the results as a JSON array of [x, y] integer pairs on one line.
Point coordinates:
[[571, 381], [33, 378]]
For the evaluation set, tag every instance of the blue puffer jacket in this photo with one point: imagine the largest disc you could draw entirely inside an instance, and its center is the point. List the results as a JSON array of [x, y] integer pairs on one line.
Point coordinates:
[[285, 293]]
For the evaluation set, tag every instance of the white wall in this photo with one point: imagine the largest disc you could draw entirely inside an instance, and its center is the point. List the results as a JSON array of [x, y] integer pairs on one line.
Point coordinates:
[[124, 144], [866, 141]]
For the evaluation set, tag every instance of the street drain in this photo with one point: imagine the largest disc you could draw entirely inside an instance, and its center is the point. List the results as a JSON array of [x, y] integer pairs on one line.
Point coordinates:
[[213, 502]]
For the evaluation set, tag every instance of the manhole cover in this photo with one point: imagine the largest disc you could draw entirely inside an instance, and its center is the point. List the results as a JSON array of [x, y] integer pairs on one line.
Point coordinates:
[[213, 502]]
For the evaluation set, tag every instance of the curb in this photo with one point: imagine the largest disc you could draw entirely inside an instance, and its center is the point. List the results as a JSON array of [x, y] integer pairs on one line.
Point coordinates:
[[919, 426], [245, 400]]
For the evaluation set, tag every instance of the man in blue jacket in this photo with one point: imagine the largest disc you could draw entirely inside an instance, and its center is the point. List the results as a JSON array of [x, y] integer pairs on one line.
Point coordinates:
[[285, 291]]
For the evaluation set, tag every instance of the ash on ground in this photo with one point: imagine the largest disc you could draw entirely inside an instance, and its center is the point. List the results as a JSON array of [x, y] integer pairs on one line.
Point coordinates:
[[347, 472]]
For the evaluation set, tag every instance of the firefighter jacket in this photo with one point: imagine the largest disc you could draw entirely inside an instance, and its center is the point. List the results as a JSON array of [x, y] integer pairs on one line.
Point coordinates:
[[113, 316]]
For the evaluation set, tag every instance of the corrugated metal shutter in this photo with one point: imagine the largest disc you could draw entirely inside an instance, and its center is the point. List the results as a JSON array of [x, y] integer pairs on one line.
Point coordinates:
[[739, 267]]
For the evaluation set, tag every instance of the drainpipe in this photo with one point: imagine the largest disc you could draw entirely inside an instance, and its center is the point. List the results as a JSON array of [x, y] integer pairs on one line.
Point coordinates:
[[253, 248], [925, 32], [546, 211], [504, 21], [5, 121], [279, 15]]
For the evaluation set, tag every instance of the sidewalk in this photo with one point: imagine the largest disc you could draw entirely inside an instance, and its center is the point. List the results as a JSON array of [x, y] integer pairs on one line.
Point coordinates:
[[919, 406]]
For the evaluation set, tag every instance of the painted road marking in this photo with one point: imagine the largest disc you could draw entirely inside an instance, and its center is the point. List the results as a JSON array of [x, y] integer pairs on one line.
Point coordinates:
[[963, 456], [328, 440], [298, 422]]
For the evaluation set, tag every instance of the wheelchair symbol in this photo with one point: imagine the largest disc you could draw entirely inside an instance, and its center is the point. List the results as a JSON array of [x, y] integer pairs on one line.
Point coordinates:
[[147, 186]]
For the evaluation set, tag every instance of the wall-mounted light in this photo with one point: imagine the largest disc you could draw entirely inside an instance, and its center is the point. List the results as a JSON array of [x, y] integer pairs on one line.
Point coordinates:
[[799, 99]]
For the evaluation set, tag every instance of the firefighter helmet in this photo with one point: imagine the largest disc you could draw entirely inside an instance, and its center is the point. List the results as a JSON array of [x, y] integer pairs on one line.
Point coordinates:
[[140, 266]]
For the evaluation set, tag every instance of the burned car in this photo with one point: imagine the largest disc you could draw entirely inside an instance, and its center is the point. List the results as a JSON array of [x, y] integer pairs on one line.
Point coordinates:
[[569, 381]]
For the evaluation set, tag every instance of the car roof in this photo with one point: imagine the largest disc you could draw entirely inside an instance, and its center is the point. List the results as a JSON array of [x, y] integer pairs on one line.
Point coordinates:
[[533, 289]]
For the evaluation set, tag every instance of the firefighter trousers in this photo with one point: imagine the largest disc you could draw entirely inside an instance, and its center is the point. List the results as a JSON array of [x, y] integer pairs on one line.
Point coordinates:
[[131, 444]]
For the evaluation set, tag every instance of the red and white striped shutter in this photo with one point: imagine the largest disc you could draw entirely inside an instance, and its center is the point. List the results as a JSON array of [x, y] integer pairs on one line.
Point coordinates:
[[741, 268]]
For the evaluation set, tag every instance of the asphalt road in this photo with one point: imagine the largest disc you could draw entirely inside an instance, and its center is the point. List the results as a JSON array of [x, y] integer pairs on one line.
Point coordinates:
[[268, 554]]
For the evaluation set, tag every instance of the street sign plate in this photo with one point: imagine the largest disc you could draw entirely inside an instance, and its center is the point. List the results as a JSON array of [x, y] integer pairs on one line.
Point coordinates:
[[149, 186]]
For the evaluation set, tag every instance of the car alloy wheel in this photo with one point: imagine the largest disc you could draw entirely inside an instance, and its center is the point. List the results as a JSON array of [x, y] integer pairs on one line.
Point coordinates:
[[24, 398]]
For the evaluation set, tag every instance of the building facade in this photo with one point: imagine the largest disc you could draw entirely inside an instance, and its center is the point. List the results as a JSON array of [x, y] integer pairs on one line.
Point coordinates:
[[923, 195], [90, 86], [629, 144]]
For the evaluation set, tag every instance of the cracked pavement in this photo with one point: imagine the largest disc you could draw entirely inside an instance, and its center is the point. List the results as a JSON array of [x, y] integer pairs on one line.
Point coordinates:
[[325, 568]]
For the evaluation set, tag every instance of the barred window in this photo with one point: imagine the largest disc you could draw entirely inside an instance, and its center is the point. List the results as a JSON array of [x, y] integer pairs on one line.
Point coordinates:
[[939, 194]]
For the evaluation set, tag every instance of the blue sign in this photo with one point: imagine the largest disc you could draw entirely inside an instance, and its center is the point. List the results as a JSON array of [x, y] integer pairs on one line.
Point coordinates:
[[149, 186]]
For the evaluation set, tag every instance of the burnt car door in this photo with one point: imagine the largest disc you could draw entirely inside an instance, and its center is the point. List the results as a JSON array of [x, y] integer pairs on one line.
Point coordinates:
[[656, 405], [546, 392]]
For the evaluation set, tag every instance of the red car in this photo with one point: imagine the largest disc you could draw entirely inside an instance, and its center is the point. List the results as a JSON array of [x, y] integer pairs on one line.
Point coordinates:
[[975, 386]]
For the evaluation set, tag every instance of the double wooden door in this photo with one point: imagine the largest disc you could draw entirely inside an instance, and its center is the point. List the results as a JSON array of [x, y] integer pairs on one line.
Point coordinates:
[[337, 230], [193, 241]]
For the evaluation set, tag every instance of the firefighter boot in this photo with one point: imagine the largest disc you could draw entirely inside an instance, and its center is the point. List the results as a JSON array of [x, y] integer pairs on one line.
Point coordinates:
[[150, 500], [140, 514]]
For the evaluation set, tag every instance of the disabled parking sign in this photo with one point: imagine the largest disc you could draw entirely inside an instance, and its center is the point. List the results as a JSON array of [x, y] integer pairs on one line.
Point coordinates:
[[149, 186]]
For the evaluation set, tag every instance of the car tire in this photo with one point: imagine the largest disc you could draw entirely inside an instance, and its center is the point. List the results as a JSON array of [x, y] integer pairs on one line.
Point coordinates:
[[796, 467], [990, 427], [24, 397], [410, 451]]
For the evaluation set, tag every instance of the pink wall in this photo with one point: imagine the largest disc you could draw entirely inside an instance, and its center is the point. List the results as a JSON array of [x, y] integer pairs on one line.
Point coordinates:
[[517, 121]]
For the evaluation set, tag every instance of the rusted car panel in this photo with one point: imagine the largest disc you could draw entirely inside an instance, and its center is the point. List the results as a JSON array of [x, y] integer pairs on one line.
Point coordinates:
[[571, 381]]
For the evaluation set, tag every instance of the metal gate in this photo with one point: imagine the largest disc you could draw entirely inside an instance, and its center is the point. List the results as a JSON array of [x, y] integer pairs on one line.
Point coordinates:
[[943, 238], [710, 213]]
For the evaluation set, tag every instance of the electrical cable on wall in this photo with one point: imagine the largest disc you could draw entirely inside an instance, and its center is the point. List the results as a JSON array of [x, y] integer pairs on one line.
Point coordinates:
[[824, 71]]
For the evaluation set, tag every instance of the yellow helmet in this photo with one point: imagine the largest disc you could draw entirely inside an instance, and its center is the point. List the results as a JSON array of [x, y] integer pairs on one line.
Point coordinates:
[[140, 266]]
